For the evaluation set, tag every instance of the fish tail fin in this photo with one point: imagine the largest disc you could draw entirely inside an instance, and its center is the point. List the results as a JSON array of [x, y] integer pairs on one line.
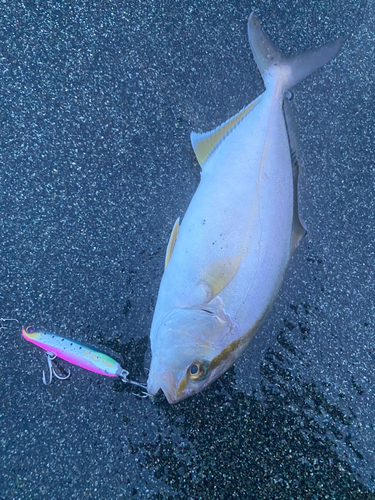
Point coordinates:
[[271, 61]]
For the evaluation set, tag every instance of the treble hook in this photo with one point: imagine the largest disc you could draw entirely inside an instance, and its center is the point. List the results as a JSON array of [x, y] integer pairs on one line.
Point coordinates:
[[2, 320], [124, 377], [52, 370]]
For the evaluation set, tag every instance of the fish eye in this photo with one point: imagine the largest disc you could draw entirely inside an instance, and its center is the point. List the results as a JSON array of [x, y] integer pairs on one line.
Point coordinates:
[[197, 370], [194, 369]]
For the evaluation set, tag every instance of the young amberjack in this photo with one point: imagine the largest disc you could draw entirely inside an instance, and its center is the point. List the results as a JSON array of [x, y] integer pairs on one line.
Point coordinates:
[[226, 262]]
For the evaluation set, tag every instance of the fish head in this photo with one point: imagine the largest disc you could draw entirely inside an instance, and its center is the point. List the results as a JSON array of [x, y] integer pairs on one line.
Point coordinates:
[[190, 349]]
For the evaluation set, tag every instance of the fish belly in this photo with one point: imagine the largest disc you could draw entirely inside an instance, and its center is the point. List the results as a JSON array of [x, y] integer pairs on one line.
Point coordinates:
[[243, 206]]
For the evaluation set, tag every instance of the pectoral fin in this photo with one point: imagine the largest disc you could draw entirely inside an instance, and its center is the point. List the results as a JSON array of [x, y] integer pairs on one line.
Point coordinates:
[[172, 242], [219, 274]]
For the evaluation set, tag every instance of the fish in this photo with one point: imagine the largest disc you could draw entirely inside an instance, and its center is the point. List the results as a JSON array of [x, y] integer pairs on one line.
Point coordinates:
[[226, 261]]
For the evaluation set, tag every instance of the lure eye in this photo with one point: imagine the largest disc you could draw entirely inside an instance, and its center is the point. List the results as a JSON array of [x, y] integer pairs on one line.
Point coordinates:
[[30, 329], [197, 370]]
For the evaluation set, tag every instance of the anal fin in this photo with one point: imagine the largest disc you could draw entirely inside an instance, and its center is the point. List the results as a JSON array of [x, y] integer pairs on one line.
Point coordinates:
[[298, 229]]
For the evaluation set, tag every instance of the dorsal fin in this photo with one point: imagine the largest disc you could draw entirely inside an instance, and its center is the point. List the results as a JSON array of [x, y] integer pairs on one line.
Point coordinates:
[[172, 242], [298, 229], [205, 144]]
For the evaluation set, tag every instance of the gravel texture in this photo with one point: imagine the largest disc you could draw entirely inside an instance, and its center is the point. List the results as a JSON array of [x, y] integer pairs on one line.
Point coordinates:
[[97, 103]]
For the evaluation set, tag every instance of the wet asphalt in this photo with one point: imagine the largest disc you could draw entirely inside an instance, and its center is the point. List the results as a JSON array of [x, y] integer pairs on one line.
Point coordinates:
[[97, 103]]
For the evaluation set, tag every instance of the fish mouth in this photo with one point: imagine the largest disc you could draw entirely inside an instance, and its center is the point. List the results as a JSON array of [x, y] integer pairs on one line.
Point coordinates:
[[169, 383], [169, 386], [171, 397]]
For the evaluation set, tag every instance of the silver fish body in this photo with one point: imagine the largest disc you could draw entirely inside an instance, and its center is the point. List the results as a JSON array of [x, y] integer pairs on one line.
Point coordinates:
[[226, 263]]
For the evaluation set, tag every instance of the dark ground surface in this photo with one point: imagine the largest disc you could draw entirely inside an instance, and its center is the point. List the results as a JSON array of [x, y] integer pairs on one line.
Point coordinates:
[[97, 103]]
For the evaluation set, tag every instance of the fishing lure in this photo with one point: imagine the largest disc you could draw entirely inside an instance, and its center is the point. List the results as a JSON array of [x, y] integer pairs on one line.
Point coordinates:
[[74, 352]]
